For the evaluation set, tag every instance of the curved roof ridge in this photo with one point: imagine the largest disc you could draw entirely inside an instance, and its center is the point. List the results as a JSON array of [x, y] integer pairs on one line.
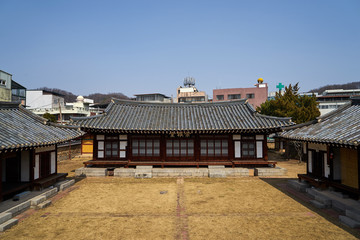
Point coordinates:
[[72, 119], [273, 117], [132, 102]]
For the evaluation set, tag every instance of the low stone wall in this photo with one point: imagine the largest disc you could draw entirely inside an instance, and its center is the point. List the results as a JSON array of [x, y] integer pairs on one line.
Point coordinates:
[[63, 151], [277, 171], [91, 172]]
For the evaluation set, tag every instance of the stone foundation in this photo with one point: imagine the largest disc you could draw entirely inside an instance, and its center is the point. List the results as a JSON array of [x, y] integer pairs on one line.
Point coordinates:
[[150, 172]]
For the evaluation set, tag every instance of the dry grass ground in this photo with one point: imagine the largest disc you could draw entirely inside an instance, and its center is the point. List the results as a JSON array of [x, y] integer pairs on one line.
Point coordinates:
[[190, 208], [69, 166]]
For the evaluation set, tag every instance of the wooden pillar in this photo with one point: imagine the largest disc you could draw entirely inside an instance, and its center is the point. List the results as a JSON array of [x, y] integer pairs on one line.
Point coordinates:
[[265, 148], [163, 149], [32, 164], [56, 159], [329, 149], [231, 150], [197, 148]]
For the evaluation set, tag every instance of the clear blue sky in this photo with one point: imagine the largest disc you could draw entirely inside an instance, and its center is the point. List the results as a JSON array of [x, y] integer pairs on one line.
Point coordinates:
[[150, 46]]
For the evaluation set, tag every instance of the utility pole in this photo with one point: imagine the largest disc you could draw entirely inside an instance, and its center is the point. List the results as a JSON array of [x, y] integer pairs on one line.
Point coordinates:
[[60, 113]]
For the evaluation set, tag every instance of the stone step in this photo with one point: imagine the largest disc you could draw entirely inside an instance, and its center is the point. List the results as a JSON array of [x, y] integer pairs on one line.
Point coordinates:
[[312, 192], [317, 204], [51, 191], [349, 222], [44, 204], [340, 194], [298, 186], [324, 200], [143, 171], [8, 224], [64, 184], [339, 206], [5, 216], [37, 200], [353, 215]]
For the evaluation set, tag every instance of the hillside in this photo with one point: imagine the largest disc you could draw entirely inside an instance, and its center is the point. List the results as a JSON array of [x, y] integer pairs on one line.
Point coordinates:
[[352, 85], [98, 97]]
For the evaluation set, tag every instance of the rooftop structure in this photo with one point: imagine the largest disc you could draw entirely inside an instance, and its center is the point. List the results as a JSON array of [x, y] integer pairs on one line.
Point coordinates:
[[189, 93], [256, 95], [18, 93], [153, 97]]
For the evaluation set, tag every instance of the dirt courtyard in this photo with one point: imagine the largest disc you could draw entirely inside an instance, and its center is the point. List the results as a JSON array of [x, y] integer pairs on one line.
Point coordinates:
[[178, 208]]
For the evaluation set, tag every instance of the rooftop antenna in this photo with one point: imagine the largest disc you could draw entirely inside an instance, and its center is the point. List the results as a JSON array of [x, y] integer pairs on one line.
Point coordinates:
[[189, 82]]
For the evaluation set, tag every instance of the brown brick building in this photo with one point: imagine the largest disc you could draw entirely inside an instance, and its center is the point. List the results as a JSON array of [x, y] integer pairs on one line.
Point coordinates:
[[255, 95]]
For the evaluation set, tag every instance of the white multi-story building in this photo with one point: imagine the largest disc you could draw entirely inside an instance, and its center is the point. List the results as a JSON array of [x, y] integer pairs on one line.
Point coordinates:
[[335, 98], [42, 101]]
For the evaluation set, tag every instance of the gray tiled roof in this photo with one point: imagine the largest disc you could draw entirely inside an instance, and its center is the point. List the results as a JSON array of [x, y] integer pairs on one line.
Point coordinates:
[[339, 127], [130, 116], [20, 128]]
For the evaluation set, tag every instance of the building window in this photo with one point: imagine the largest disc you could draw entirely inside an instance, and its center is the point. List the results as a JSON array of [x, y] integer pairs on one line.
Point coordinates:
[[214, 147], [250, 95], [219, 97], [146, 147], [2, 82], [177, 147], [111, 146], [248, 146], [234, 96]]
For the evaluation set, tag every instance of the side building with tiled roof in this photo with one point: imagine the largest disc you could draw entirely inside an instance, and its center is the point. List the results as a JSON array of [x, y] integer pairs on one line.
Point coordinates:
[[140, 133], [331, 147], [28, 149]]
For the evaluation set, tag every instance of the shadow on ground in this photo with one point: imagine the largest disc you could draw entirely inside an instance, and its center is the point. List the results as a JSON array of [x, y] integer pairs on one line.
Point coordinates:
[[329, 214]]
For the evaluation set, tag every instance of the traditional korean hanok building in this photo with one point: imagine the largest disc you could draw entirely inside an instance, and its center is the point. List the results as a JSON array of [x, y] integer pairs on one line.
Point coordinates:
[[140, 133], [28, 152], [331, 147]]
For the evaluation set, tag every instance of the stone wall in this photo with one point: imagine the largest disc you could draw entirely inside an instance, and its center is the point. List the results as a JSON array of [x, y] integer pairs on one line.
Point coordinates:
[[63, 151]]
